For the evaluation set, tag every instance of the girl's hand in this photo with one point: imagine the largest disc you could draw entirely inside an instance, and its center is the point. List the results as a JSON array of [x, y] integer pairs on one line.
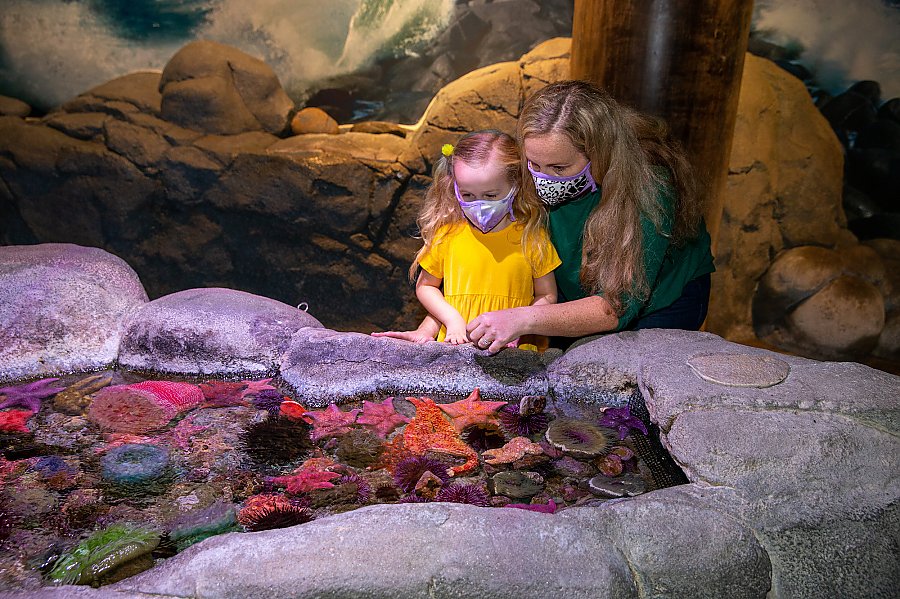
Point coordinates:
[[457, 335], [495, 330], [413, 336]]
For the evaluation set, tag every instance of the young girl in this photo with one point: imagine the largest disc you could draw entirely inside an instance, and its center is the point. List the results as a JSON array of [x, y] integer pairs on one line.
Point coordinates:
[[485, 246]]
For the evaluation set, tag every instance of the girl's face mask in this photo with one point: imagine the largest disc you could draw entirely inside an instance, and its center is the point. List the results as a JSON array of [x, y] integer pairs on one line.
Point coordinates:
[[556, 190], [485, 215]]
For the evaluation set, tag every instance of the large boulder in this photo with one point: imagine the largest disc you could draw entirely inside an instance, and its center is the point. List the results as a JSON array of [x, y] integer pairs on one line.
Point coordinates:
[[61, 308], [784, 189], [210, 331], [215, 88]]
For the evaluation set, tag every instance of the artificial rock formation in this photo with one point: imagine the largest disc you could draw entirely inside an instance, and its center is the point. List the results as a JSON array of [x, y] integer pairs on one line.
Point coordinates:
[[330, 219]]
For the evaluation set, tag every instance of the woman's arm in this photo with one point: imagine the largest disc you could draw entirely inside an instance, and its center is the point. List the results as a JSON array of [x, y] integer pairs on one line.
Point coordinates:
[[427, 331], [428, 290], [577, 318]]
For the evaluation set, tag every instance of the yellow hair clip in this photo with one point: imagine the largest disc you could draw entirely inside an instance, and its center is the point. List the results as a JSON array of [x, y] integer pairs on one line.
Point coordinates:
[[447, 150]]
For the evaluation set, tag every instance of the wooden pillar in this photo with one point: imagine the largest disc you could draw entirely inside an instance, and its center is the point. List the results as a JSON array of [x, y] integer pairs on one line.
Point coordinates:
[[677, 59]]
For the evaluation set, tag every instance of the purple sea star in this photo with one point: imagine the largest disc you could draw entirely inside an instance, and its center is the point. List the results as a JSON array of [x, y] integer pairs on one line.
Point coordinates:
[[331, 422], [543, 508], [381, 417], [621, 420], [29, 396]]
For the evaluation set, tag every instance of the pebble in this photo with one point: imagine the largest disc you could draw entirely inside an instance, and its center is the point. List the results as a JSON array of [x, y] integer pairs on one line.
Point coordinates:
[[627, 485]]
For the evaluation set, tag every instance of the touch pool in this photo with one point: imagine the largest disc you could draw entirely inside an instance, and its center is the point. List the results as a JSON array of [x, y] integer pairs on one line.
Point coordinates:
[[792, 464]]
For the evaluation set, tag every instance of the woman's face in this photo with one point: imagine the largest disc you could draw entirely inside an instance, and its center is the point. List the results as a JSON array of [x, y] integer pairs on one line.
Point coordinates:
[[553, 154]]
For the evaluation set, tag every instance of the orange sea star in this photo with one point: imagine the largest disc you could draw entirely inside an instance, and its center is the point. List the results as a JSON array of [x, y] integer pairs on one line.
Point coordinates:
[[303, 480], [516, 449], [429, 430], [472, 410]]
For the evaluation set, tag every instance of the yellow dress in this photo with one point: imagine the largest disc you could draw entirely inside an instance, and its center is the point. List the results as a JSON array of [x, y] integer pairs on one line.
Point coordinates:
[[483, 272]]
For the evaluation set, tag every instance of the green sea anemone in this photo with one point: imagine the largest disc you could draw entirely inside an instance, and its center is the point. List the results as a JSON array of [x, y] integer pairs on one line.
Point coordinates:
[[108, 555]]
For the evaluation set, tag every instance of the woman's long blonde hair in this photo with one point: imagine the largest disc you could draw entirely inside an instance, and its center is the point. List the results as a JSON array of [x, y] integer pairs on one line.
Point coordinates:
[[442, 208], [624, 148]]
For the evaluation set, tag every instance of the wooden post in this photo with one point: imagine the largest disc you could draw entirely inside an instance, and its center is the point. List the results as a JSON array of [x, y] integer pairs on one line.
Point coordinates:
[[681, 60]]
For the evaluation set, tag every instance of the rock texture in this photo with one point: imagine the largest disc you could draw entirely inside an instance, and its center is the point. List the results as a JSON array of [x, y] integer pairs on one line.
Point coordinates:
[[330, 219], [210, 331], [60, 308], [218, 89]]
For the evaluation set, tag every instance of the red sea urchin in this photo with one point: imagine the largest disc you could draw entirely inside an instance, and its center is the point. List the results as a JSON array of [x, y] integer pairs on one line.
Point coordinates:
[[268, 512], [464, 493], [409, 470]]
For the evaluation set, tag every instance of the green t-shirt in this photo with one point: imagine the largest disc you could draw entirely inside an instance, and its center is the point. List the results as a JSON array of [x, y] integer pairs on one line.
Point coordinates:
[[668, 268]]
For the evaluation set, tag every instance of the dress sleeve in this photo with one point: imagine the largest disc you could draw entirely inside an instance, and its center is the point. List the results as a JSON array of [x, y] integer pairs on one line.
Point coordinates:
[[655, 245], [543, 257], [433, 260]]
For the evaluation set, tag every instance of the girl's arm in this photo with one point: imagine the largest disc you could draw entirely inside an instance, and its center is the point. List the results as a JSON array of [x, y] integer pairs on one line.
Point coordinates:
[[592, 314], [427, 331], [544, 290], [428, 290]]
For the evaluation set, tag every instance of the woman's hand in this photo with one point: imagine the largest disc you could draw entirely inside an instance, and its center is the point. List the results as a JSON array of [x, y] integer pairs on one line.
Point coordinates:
[[495, 330]]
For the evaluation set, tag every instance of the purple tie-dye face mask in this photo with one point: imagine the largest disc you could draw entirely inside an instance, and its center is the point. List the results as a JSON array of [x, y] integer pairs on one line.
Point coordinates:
[[556, 190], [485, 215]]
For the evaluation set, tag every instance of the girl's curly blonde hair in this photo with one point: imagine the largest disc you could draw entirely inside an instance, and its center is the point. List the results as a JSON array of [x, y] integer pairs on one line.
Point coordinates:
[[626, 149], [442, 208]]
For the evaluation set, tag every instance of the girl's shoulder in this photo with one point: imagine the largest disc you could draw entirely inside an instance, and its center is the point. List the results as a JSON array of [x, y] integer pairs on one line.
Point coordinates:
[[448, 230]]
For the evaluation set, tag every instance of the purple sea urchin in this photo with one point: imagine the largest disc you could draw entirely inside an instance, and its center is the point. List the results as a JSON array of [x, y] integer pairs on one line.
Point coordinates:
[[363, 488], [268, 400], [409, 470], [516, 424], [464, 493]]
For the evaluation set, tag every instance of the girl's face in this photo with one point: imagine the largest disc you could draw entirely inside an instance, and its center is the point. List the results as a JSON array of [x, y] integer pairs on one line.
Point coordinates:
[[485, 182], [553, 154]]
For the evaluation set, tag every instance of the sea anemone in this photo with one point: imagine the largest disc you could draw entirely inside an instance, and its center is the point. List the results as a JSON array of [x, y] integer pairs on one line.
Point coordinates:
[[109, 555], [268, 512], [409, 470], [142, 407], [195, 526], [268, 400], [578, 438], [359, 448], [133, 465], [516, 424], [464, 493], [481, 438], [276, 442]]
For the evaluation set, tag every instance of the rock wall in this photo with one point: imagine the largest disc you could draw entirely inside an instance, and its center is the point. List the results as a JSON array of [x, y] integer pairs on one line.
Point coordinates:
[[330, 219]]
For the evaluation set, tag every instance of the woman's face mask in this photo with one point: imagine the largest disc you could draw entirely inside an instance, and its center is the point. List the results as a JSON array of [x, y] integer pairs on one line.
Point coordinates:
[[485, 215], [556, 190]]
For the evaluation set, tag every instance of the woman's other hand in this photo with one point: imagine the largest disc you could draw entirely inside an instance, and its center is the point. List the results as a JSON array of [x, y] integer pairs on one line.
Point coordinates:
[[495, 330]]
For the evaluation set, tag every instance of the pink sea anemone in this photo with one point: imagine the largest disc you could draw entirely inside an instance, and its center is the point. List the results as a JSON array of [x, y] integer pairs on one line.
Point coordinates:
[[142, 407]]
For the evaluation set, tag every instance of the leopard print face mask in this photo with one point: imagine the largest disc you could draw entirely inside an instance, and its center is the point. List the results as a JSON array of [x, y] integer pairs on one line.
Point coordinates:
[[556, 190]]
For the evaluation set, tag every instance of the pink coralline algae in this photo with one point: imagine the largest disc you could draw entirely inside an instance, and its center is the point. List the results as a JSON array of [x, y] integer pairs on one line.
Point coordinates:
[[381, 417], [28, 396], [304, 480], [621, 420], [543, 508], [142, 407], [331, 422], [13, 421], [218, 394]]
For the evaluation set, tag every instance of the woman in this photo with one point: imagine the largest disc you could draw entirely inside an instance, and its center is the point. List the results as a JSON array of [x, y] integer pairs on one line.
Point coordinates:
[[623, 215]]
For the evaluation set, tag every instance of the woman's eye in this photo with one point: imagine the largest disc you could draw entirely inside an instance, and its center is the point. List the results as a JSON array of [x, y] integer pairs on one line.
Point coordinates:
[[559, 169]]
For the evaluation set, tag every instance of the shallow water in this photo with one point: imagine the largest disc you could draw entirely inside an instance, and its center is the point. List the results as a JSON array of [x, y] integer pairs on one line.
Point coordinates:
[[245, 458]]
